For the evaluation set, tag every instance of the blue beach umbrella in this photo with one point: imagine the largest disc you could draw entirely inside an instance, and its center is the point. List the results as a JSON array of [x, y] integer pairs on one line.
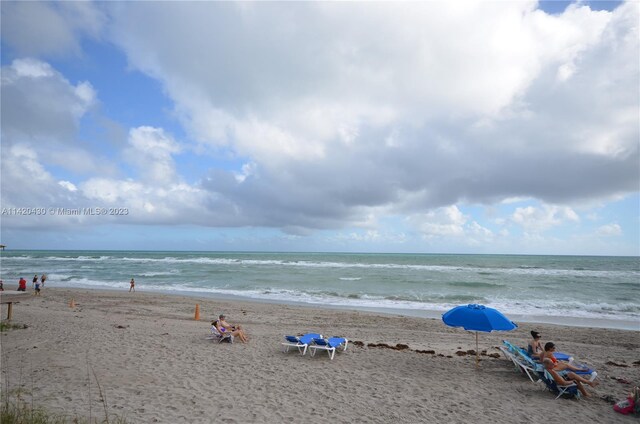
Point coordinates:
[[478, 318]]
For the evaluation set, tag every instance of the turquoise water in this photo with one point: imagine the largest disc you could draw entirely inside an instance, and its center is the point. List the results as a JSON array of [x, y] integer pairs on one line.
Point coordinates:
[[577, 287]]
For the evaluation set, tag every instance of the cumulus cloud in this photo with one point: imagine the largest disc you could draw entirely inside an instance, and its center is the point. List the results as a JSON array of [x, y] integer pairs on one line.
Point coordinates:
[[609, 230], [150, 152], [49, 28], [447, 221], [537, 219], [41, 114], [518, 103], [44, 110], [39, 104], [27, 184]]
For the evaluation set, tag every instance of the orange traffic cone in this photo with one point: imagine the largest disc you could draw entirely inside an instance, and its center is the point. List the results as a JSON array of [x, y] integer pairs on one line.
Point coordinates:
[[197, 315], [72, 304]]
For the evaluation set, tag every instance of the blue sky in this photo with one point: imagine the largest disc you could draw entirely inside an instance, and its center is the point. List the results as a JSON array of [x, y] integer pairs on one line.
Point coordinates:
[[436, 127]]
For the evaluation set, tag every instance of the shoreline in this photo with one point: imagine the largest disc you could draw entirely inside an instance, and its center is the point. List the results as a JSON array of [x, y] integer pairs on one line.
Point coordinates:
[[154, 363], [590, 322]]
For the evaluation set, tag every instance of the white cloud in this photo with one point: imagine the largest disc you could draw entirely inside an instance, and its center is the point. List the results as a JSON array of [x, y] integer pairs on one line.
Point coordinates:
[[30, 68], [41, 115], [248, 169], [27, 184], [307, 83], [537, 219], [68, 185], [150, 152], [609, 230], [49, 28], [447, 221], [40, 105], [480, 231], [23, 161]]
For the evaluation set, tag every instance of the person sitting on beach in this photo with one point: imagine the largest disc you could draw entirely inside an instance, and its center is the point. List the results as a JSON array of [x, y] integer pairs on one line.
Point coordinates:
[[235, 330], [564, 378], [549, 348], [22, 284], [534, 349]]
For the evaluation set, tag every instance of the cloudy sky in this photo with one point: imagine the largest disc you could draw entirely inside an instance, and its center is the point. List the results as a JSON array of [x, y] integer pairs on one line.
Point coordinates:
[[437, 127]]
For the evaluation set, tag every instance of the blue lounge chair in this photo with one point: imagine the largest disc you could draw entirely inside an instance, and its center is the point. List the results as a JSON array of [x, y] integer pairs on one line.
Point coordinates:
[[330, 345], [521, 360], [519, 364], [301, 343], [529, 364], [570, 389]]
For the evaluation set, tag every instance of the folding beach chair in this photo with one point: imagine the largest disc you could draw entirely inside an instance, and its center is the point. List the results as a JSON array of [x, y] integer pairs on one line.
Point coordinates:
[[520, 364], [570, 389], [521, 360], [220, 337]]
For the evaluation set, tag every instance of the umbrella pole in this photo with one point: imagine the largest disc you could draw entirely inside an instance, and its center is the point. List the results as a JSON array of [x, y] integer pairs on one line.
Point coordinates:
[[477, 359]]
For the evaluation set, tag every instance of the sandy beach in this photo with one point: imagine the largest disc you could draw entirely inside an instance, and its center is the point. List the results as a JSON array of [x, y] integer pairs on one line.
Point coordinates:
[[143, 357]]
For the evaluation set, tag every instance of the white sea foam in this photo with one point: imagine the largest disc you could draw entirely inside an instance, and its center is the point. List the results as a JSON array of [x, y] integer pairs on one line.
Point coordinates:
[[158, 273], [610, 311], [580, 288], [74, 258], [516, 270]]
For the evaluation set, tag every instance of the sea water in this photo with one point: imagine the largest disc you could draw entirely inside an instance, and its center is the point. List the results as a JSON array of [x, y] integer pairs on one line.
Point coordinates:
[[575, 290]]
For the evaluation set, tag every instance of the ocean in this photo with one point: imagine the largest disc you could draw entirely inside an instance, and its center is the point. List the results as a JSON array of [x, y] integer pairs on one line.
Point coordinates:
[[572, 290]]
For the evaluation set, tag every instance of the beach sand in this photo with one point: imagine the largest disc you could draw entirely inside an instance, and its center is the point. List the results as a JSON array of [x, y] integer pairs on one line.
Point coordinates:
[[154, 364]]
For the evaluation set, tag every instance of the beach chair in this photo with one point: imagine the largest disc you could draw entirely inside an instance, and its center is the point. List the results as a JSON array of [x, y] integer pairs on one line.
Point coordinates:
[[521, 360], [519, 364], [301, 343], [330, 345], [224, 337], [570, 389], [533, 365], [585, 371]]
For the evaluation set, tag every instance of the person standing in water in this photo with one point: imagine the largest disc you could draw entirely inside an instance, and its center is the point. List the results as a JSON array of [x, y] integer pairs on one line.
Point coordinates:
[[132, 286]]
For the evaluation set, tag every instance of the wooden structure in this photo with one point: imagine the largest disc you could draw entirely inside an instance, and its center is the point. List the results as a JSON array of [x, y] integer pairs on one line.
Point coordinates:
[[9, 297]]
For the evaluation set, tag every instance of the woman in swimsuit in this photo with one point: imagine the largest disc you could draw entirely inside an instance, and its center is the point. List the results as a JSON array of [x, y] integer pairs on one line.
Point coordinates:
[[563, 378], [549, 348], [235, 330], [535, 345]]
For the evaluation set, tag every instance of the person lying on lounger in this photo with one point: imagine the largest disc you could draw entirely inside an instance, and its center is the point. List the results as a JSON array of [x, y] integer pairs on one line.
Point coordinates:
[[534, 349], [565, 378], [235, 330], [549, 348]]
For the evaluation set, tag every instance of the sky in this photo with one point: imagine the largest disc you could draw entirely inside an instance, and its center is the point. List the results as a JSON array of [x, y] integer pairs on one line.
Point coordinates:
[[507, 127]]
